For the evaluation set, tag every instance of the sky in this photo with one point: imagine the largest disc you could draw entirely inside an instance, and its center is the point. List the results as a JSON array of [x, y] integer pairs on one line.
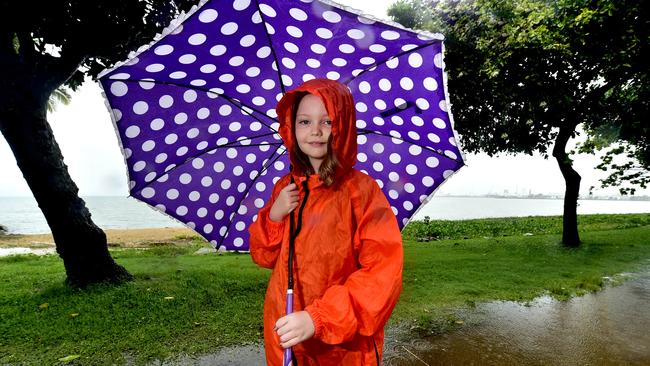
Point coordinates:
[[85, 134]]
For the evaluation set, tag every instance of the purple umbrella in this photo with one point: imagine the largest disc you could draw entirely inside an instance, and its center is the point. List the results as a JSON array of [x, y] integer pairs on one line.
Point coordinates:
[[195, 109]]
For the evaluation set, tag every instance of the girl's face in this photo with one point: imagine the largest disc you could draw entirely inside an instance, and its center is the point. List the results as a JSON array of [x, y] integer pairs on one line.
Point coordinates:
[[313, 129]]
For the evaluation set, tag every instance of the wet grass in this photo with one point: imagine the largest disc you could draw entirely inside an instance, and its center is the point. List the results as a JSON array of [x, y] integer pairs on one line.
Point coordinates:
[[186, 303]]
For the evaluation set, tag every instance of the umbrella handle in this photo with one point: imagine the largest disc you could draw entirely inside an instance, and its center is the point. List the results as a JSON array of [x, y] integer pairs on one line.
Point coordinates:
[[287, 352]]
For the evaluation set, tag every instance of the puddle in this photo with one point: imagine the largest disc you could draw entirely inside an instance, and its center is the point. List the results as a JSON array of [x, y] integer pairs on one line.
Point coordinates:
[[611, 327]]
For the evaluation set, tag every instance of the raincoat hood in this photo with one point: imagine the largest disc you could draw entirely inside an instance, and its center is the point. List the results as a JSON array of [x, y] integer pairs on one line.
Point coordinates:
[[339, 104]]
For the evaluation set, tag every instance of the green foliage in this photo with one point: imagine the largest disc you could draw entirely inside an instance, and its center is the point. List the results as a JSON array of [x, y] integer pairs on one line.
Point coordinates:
[[519, 70], [516, 226]]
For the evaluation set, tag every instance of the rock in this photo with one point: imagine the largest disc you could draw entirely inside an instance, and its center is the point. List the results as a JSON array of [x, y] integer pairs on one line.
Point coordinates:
[[3, 230], [203, 251]]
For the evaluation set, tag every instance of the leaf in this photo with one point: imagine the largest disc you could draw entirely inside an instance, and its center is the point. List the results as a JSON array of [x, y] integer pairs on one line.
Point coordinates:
[[169, 297], [44, 305], [69, 358], [74, 315]]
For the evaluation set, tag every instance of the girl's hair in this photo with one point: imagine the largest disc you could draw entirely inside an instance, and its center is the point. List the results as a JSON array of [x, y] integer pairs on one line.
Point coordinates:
[[327, 168]]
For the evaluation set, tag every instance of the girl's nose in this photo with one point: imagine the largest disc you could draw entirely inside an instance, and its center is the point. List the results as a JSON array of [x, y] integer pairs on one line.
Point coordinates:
[[316, 129]]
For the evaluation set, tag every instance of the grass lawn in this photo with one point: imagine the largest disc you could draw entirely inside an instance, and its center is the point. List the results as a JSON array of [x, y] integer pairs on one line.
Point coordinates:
[[186, 303]]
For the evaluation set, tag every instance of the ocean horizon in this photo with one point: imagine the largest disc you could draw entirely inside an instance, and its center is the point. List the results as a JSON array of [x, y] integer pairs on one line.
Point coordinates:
[[21, 215]]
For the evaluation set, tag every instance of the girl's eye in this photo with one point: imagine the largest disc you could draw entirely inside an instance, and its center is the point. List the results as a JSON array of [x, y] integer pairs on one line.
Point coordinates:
[[303, 122], [327, 123]]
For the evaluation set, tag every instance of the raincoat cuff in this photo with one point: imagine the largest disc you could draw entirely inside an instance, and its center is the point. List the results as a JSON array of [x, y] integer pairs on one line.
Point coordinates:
[[316, 318], [274, 228]]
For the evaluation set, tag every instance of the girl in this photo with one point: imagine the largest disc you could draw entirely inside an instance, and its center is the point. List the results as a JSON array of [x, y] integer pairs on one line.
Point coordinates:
[[347, 261]]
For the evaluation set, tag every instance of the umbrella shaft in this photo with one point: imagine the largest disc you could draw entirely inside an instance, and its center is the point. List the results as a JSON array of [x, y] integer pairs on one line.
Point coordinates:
[[287, 352]]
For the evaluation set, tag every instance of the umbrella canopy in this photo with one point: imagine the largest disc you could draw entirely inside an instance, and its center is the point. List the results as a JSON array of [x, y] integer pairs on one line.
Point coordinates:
[[195, 113]]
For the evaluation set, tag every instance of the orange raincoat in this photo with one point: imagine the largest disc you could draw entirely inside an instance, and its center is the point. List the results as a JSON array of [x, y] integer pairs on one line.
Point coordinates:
[[348, 255]]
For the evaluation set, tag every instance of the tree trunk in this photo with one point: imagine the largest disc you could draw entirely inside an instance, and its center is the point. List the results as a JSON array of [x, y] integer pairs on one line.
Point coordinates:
[[570, 237], [79, 242]]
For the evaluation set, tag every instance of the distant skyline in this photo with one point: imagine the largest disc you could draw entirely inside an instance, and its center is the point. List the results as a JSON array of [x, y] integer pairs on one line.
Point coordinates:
[[91, 151]]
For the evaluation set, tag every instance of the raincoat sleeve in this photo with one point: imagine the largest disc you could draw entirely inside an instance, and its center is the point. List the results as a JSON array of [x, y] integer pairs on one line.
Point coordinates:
[[265, 234], [365, 301]]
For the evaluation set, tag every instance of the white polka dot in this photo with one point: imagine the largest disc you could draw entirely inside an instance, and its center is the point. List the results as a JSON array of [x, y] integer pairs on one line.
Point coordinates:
[[287, 81], [148, 192], [378, 166], [132, 131], [408, 206], [208, 68], [333, 75], [378, 148], [206, 181], [380, 183], [288, 63], [203, 113], [451, 154], [208, 228], [240, 5], [192, 133], [422, 103], [377, 48], [148, 145], [214, 198], [172, 194], [406, 83], [146, 85], [417, 120], [230, 201], [268, 11], [415, 150], [140, 107], [397, 120], [443, 105], [208, 16], [181, 210], [378, 121], [264, 52], [178, 75], [247, 41], [438, 61], [243, 88], [229, 28], [197, 39], [238, 242], [161, 158], [346, 48], [427, 181], [430, 84], [182, 151], [313, 63], [194, 196], [259, 203], [433, 138], [392, 63], [231, 153], [364, 87], [331, 16], [411, 169], [260, 186], [324, 33], [389, 35], [380, 104], [395, 158], [447, 173], [409, 187], [298, 14], [218, 50], [155, 68], [236, 61], [394, 177], [119, 88], [384, 84], [393, 194], [166, 101], [180, 118], [415, 60], [355, 34], [202, 212], [408, 47], [317, 48], [219, 167], [171, 138], [225, 184], [413, 135], [198, 82]]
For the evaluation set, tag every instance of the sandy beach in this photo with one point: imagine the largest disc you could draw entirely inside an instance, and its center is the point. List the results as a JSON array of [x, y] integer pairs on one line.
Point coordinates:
[[129, 238]]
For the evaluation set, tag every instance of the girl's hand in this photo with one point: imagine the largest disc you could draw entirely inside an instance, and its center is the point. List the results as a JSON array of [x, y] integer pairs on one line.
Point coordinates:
[[294, 328], [286, 202]]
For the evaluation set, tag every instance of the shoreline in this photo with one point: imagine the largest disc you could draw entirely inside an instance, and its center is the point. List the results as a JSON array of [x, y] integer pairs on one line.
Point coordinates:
[[116, 238]]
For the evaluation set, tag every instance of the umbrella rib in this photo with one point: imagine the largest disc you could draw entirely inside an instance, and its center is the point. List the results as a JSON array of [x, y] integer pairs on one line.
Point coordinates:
[[238, 104], [366, 132], [245, 193], [275, 56], [350, 79]]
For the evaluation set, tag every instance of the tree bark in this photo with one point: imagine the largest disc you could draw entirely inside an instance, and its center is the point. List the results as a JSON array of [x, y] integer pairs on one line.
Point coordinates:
[[79, 242], [570, 237]]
